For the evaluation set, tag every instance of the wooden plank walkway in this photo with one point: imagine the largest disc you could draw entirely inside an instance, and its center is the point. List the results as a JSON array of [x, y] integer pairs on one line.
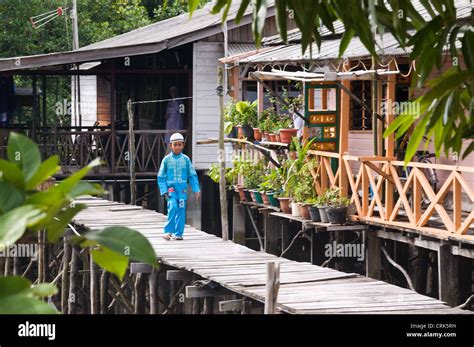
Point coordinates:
[[304, 288]]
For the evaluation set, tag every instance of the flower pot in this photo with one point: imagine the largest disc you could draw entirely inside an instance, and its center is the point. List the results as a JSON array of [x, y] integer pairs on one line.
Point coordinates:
[[242, 193], [285, 205], [314, 214], [265, 198], [233, 133], [286, 135], [277, 137], [258, 196], [272, 137], [248, 195], [272, 199], [240, 132], [323, 214], [304, 211], [257, 135], [248, 131], [337, 215], [295, 210], [266, 135]]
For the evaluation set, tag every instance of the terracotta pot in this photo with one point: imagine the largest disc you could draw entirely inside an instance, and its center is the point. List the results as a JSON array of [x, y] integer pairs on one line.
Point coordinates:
[[304, 211], [252, 193], [265, 199], [272, 137], [241, 193], [285, 205], [266, 135], [287, 134], [278, 138], [257, 135]]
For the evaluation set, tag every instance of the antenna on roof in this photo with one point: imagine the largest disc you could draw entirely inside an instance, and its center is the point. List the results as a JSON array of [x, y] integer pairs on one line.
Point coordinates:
[[42, 19]]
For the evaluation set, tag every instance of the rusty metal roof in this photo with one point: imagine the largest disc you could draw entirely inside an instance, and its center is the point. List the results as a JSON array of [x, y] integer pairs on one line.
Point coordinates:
[[153, 38]]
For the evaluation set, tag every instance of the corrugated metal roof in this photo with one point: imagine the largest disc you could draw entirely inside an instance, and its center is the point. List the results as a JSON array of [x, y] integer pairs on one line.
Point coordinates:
[[463, 9], [387, 45], [239, 48], [174, 29], [153, 38]]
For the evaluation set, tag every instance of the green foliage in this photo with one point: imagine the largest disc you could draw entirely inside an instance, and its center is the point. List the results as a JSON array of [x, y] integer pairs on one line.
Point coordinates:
[[246, 113], [254, 176], [18, 296], [272, 181], [25, 210], [114, 246], [448, 117]]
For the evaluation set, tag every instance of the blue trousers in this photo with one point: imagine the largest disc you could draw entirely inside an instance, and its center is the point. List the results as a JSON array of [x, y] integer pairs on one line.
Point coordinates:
[[176, 216]]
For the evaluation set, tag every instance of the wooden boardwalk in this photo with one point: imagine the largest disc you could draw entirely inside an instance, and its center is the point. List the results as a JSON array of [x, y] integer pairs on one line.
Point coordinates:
[[304, 288]]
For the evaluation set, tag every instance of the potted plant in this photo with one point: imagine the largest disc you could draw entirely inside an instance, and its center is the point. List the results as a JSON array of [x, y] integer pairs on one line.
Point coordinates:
[[272, 184], [286, 130], [304, 190], [247, 117], [313, 209], [337, 210], [231, 120]]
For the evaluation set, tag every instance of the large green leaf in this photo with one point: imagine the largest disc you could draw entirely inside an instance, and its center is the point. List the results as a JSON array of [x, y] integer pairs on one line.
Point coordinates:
[[10, 197], [25, 153], [468, 49], [17, 296], [11, 173], [44, 289], [47, 168], [68, 184], [111, 261], [24, 303], [12, 285], [14, 223], [126, 242], [59, 223]]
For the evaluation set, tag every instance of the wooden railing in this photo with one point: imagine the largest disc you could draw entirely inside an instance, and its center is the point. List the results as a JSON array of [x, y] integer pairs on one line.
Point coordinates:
[[77, 148], [383, 190]]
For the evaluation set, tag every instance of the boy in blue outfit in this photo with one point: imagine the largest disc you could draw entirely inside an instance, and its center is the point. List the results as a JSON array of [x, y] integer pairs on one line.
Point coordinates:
[[175, 172]]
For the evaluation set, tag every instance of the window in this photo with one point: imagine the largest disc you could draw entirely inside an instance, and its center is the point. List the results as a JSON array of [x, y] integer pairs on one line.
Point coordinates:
[[361, 119]]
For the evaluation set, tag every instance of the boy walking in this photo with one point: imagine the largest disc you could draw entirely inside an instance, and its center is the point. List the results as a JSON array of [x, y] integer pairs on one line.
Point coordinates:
[[175, 172]]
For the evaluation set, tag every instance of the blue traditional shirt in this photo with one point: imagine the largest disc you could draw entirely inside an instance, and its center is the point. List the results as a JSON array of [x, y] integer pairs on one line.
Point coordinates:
[[175, 172]]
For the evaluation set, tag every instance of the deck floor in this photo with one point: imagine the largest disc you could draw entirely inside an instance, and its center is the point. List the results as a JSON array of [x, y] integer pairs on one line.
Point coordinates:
[[304, 288]]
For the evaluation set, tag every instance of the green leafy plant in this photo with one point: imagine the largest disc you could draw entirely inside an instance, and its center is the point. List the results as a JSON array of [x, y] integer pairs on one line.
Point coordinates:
[[247, 112], [447, 103], [25, 210], [272, 181]]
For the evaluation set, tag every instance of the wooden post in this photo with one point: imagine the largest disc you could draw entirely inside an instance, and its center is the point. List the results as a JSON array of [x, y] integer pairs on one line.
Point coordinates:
[[104, 289], [344, 137], [272, 287], [208, 305], [318, 240], [131, 154], [153, 289], [73, 278], [140, 289], [94, 286], [454, 276], [238, 222], [272, 232], [222, 183], [457, 204], [65, 275], [373, 261], [390, 115], [365, 190]]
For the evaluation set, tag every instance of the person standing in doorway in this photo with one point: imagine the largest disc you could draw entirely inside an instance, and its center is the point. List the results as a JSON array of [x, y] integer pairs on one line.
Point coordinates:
[[175, 172], [174, 114]]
